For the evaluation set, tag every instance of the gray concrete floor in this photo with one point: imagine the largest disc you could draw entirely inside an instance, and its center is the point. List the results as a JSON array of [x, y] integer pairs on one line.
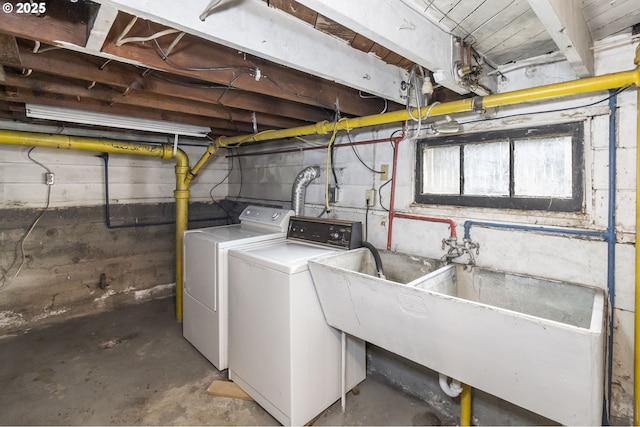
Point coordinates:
[[133, 367]]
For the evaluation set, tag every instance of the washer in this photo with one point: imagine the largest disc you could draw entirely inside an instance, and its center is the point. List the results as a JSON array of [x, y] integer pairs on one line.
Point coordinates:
[[205, 287], [282, 352]]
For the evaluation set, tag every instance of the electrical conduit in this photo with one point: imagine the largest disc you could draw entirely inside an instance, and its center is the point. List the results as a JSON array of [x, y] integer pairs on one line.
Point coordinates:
[[181, 193]]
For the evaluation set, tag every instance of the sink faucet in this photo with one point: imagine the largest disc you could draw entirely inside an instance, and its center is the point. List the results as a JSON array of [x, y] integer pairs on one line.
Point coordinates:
[[456, 250]]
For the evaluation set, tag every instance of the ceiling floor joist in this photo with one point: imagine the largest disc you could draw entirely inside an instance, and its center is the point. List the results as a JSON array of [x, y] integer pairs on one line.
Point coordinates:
[[568, 29], [257, 29]]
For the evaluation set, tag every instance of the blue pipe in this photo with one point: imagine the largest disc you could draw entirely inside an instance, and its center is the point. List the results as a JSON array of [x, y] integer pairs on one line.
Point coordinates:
[[609, 236], [611, 247], [524, 227]]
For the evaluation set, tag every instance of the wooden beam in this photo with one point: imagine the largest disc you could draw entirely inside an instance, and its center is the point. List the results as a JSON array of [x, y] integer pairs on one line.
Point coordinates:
[[102, 22], [39, 83], [85, 67], [237, 67], [255, 28], [9, 50], [63, 22], [397, 27], [568, 29], [29, 97], [277, 81]]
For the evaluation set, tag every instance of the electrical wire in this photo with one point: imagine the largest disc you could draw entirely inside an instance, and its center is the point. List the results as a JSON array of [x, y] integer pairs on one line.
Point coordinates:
[[380, 194], [328, 161], [20, 243], [394, 146], [333, 165], [240, 167], [229, 219], [359, 158], [161, 76], [147, 38], [165, 57], [558, 110], [230, 85], [386, 103], [366, 221], [296, 94]]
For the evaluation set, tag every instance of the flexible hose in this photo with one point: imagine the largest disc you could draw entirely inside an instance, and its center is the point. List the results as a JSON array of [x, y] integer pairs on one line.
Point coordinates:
[[303, 179], [376, 257]]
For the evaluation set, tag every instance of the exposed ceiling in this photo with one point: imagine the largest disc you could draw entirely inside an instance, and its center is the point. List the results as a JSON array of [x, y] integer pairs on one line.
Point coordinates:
[[241, 66]]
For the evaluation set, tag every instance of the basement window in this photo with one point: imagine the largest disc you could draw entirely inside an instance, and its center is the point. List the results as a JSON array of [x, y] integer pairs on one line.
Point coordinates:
[[532, 168]]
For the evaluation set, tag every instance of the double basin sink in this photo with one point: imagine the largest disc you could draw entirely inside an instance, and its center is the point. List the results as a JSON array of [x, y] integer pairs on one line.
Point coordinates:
[[535, 342]]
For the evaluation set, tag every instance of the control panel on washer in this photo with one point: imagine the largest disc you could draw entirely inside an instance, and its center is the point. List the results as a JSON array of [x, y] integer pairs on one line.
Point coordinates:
[[330, 232]]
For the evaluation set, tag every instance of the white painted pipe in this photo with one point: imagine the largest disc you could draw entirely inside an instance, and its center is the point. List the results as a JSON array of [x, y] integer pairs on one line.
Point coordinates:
[[452, 390], [343, 397]]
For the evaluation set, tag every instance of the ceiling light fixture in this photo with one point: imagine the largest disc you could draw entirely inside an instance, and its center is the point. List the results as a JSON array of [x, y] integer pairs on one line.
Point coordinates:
[[113, 120]]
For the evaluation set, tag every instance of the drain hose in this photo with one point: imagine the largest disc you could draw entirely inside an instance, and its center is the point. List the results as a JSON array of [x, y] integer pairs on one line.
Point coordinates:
[[376, 257]]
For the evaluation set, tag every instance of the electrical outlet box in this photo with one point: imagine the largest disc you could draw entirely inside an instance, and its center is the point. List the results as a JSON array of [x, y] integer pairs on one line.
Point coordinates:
[[370, 196], [49, 178], [384, 168], [335, 194]]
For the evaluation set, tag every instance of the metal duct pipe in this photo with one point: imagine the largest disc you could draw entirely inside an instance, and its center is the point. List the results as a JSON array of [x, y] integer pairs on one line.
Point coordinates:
[[303, 179]]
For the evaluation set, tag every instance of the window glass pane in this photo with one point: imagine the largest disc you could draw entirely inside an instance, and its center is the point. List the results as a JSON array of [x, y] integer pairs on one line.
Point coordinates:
[[486, 169], [441, 170], [542, 167]]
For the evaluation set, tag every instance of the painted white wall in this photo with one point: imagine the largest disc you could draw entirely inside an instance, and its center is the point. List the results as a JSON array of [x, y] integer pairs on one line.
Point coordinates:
[[79, 178]]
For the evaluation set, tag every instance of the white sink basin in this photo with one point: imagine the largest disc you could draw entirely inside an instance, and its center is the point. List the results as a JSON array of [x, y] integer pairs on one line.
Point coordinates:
[[533, 342]]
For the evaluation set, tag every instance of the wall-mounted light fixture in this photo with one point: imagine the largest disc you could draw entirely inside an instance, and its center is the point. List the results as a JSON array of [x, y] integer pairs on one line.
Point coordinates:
[[113, 120], [446, 127]]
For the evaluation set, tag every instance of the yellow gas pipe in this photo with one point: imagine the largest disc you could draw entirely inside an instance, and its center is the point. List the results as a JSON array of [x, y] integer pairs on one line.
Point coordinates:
[[636, 338], [465, 406], [106, 146]]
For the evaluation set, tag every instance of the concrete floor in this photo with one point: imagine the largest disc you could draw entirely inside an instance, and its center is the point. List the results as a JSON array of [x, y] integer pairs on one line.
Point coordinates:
[[133, 367]]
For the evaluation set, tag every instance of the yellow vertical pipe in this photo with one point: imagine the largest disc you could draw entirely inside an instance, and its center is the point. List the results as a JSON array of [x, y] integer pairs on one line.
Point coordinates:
[[181, 195], [465, 405], [636, 340]]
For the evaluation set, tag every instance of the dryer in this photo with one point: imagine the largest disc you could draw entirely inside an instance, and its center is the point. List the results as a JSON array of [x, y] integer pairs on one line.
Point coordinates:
[[205, 283], [282, 351]]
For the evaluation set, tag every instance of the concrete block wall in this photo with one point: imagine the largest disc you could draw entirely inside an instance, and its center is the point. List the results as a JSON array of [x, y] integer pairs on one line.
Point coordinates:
[[73, 264]]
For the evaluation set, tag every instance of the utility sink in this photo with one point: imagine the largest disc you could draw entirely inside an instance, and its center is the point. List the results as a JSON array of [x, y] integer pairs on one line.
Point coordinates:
[[534, 342]]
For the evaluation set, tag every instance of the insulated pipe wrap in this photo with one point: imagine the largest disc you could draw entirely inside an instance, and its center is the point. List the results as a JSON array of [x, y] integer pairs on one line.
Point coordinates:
[[303, 179]]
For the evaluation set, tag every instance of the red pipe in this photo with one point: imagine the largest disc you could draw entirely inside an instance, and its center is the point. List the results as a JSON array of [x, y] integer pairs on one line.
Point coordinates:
[[396, 142], [452, 224], [393, 214]]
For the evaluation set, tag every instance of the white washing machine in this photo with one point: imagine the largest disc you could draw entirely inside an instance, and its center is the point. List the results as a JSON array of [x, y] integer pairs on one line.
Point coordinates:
[[281, 350], [205, 284]]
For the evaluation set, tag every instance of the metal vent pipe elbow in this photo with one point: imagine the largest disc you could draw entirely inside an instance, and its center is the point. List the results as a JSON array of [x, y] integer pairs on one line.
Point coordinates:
[[303, 179]]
